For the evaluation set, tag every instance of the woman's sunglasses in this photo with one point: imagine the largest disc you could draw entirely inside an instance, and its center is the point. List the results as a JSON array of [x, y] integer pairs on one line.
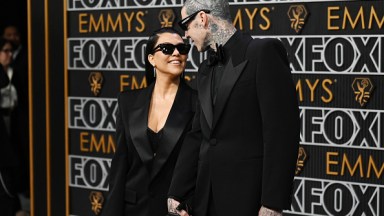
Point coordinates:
[[168, 49], [184, 22]]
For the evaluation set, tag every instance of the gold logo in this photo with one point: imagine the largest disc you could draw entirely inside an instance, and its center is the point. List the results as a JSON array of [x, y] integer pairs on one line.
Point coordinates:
[[301, 158], [297, 14], [166, 17], [363, 88], [95, 81], [97, 200]]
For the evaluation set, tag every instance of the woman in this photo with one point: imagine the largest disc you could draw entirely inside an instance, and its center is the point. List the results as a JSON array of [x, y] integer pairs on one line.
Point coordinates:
[[9, 202], [150, 127], [8, 93]]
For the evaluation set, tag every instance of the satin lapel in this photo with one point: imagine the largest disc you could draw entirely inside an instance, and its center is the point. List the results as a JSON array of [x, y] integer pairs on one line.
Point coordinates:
[[205, 97], [138, 122], [230, 76], [176, 122]]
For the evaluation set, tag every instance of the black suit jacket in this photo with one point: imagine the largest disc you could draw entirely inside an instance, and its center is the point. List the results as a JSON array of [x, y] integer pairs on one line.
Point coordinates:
[[243, 150], [138, 180], [7, 152], [4, 138]]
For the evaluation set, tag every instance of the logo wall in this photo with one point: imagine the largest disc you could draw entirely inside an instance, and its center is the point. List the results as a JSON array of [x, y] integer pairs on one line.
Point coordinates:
[[336, 53]]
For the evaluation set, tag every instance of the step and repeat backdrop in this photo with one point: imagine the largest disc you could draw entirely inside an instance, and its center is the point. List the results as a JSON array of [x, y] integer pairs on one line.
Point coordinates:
[[336, 54]]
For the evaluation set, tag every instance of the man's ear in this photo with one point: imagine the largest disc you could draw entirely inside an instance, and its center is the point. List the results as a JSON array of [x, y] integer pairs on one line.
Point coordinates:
[[203, 19]]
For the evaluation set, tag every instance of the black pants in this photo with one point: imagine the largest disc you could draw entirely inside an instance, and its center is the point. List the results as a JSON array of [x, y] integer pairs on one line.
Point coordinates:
[[9, 202], [211, 205]]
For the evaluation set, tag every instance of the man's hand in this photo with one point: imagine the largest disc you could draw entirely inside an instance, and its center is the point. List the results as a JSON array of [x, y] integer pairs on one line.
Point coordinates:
[[269, 212], [172, 205]]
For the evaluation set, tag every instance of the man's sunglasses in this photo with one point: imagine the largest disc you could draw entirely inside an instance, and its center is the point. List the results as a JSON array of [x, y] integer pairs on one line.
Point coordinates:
[[184, 22], [168, 49]]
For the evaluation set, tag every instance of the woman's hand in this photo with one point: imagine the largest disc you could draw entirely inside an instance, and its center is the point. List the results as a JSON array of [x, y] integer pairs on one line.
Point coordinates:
[[172, 208], [182, 213]]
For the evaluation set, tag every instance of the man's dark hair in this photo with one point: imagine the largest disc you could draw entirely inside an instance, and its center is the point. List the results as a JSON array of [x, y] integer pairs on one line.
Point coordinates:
[[217, 8]]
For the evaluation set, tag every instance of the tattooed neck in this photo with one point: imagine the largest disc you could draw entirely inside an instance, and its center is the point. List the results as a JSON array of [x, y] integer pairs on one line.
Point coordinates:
[[221, 32]]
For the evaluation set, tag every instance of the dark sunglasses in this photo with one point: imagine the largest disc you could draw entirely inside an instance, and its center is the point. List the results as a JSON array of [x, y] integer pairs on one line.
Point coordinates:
[[168, 49], [184, 22]]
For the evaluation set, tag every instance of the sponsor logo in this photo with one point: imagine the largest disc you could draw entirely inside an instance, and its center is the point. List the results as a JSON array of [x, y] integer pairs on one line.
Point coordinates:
[[121, 4], [301, 159], [298, 15], [92, 113], [95, 80], [361, 164], [313, 90], [96, 198], [251, 18], [335, 54], [362, 88], [327, 197], [340, 127], [97, 142], [365, 17], [89, 172], [106, 53], [107, 22], [166, 17]]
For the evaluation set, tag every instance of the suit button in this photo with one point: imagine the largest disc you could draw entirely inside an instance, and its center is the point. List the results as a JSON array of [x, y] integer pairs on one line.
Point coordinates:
[[213, 142], [154, 154]]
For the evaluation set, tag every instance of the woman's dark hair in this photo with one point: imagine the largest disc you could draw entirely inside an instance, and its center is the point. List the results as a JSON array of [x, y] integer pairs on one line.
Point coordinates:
[[151, 43], [4, 41]]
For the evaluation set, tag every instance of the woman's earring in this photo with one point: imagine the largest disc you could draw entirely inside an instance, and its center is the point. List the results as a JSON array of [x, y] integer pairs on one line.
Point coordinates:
[[154, 72]]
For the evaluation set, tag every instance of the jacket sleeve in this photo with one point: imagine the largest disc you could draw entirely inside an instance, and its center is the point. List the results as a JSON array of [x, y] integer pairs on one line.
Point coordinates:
[[185, 173], [114, 204], [280, 122], [3, 77]]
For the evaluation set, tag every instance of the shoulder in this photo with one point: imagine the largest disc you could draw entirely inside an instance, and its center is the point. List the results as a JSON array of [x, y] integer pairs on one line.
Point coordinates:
[[265, 48], [129, 96], [188, 89], [190, 94], [262, 44]]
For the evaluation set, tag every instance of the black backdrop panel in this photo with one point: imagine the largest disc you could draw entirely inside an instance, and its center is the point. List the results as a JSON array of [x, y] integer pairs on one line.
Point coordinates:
[[336, 54]]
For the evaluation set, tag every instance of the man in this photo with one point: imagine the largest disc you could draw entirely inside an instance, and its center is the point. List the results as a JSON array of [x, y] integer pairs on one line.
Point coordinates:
[[20, 117], [11, 33], [240, 157]]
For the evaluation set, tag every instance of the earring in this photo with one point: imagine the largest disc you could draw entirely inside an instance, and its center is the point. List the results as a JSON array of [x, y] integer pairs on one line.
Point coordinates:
[[154, 72]]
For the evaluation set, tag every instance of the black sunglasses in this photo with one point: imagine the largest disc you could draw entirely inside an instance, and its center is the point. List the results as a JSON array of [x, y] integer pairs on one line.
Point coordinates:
[[168, 49], [184, 22]]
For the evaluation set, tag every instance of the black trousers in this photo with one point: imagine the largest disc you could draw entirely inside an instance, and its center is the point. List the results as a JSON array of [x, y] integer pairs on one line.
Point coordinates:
[[9, 202], [211, 205]]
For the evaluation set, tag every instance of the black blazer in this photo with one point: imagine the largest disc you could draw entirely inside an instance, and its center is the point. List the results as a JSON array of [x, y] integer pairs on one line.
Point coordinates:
[[138, 180], [4, 80], [243, 150], [7, 152]]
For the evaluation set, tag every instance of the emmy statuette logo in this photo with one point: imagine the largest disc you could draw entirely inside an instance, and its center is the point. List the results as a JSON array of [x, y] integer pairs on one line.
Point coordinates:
[[301, 159], [298, 15], [166, 17], [97, 200], [96, 81], [362, 88]]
